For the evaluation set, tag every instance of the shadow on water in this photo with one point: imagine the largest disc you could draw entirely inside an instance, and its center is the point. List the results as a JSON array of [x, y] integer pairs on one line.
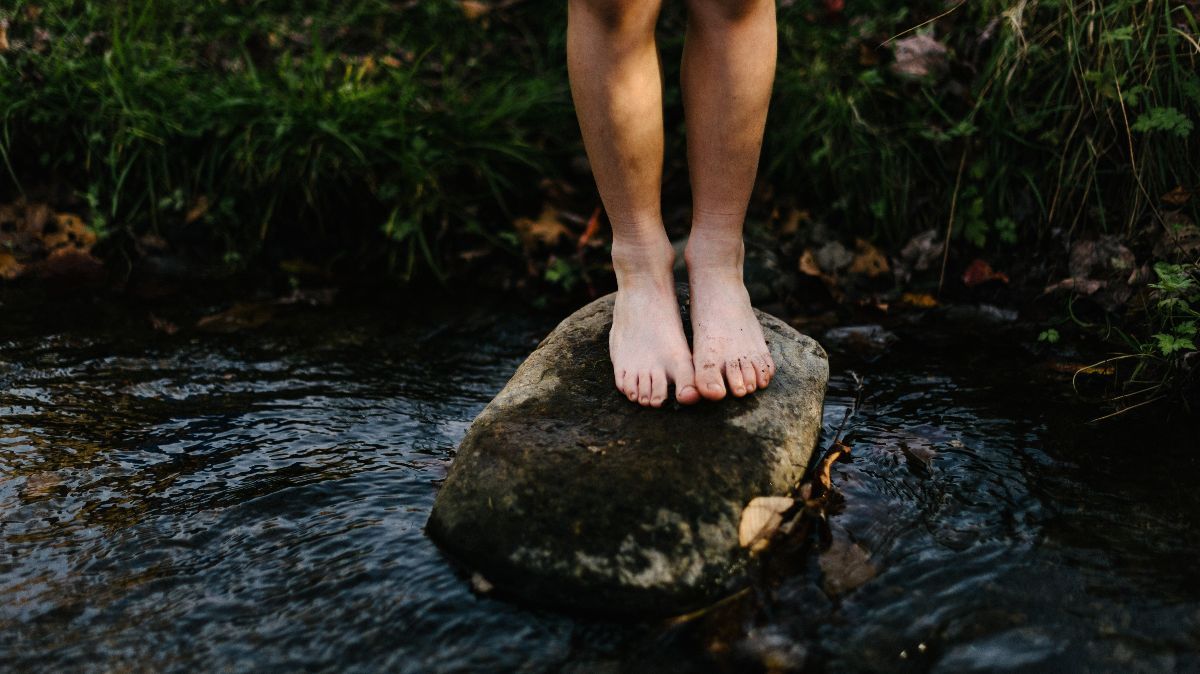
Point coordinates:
[[256, 501]]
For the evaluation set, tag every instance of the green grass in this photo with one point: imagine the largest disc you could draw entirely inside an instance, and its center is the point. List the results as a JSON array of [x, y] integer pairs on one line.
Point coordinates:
[[403, 132], [300, 124]]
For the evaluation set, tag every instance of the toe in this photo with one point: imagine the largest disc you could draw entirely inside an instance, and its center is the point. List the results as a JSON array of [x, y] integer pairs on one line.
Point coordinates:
[[770, 364], [619, 379], [658, 387], [629, 385], [749, 375], [708, 380], [761, 372], [733, 374], [684, 376], [643, 388]]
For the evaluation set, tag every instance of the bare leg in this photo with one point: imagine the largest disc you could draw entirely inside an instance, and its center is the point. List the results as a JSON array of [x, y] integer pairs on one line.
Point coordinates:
[[617, 86], [728, 70]]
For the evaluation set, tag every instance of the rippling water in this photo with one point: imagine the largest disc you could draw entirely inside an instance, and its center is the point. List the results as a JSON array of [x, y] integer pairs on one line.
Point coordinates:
[[256, 501]]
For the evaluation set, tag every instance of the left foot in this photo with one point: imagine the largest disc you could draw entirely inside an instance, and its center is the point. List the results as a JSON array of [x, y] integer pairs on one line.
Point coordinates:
[[728, 348]]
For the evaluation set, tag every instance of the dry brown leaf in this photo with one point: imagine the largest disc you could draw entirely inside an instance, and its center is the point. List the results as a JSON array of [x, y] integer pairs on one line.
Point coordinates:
[[36, 217], [846, 566], [3, 35], [791, 225], [71, 266], [1177, 197], [480, 584], [163, 325], [808, 264], [473, 9], [199, 208], [760, 519], [10, 269], [869, 261], [980, 272], [241, 316], [68, 230], [547, 230]]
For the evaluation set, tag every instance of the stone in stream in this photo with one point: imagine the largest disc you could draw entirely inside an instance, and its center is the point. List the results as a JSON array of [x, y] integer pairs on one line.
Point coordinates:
[[565, 493]]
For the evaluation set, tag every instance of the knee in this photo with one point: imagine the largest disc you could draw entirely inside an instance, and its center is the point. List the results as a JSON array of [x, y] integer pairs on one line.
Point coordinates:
[[729, 11], [618, 16]]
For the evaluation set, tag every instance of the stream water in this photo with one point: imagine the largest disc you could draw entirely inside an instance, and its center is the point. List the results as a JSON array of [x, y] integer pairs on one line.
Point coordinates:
[[256, 501]]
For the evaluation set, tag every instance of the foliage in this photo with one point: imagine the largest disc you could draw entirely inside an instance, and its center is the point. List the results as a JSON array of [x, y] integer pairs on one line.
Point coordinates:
[[230, 124], [244, 125]]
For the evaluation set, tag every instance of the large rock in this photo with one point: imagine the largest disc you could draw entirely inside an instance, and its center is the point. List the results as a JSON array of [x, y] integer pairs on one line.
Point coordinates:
[[565, 493]]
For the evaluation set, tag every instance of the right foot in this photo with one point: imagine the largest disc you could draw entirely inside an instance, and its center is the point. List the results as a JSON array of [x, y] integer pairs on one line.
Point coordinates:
[[647, 346]]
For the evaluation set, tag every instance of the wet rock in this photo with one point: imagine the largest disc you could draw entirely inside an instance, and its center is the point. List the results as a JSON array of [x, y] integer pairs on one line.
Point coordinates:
[[565, 493], [864, 341]]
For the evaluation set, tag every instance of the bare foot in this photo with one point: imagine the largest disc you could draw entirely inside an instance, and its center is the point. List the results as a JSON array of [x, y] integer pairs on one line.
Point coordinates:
[[646, 344], [728, 349]]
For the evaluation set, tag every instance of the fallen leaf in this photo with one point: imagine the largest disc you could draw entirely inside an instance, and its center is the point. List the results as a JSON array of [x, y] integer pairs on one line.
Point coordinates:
[[66, 229], [3, 35], [808, 264], [547, 230], [10, 269], [845, 566], [1180, 239], [918, 300], [1083, 286], [593, 226], [918, 57], [71, 265], [241, 316], [480, 584], [760, 519], [36, 217], [473, 9], [1177, 197], [868, 261], [1101, 258], [199, 208], [1076, 368], [162, 325], [980, 272], [792, 224]]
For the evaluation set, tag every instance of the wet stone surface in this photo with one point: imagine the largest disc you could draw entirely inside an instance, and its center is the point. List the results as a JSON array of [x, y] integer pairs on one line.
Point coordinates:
[[565, 493]]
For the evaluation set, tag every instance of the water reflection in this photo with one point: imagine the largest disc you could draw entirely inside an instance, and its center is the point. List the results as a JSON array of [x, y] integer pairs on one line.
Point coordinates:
[[257, 501]]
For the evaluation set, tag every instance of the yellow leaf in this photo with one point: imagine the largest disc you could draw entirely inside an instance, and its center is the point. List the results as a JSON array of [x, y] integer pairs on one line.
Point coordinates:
[[760, 519], [919, 300], [547, 230], [868, 261], [10, 269]]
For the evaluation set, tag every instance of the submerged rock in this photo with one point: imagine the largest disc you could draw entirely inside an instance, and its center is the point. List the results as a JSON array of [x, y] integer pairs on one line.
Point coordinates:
[[565, 493]]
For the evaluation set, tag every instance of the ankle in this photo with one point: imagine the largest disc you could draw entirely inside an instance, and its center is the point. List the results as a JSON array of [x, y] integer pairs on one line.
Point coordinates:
[[715, 252], [638, 260]]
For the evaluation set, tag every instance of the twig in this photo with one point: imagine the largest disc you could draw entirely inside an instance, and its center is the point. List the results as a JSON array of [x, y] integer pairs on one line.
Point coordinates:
[[962, 163], [923, 23]]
